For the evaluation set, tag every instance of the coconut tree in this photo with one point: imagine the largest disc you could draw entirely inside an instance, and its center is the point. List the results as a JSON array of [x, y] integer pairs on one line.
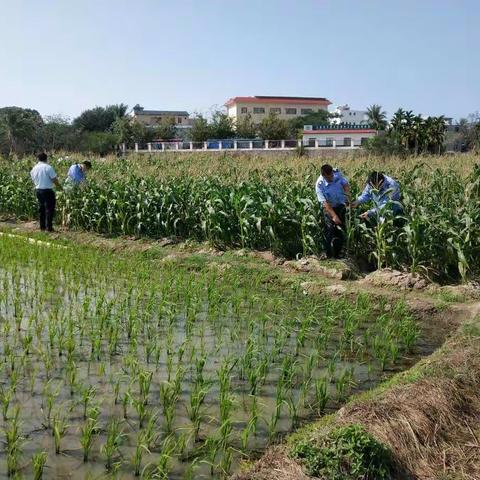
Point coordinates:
[[377, 117], [416, 132], [438, 133]]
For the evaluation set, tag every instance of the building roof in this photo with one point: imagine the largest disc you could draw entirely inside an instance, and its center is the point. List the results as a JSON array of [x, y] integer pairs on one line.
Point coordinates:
[[173, 113], [273, 99]]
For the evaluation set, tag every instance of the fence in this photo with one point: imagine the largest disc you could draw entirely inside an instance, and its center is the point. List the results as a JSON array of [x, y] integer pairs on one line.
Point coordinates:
[[244, 145]]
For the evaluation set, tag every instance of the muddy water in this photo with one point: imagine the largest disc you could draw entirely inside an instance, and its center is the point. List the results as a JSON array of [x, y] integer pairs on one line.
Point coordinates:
[[220, 331]]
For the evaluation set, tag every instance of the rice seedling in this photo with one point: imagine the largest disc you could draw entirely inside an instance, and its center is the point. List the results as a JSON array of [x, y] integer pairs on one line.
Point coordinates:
[[141, 447], [112, 443], [5, 399], [59, 429], [39, 461], [14, 442], [321, 394], [87, 432], [164, 462]]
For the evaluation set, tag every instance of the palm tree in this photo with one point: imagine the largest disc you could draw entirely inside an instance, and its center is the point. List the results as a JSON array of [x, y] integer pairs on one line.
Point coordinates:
[[438, 134], [119, 110], [377, 117], [398, 120], [417, 125], [401, 124]]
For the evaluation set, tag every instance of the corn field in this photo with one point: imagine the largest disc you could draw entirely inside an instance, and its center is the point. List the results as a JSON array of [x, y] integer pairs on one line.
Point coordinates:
[[271, 208]]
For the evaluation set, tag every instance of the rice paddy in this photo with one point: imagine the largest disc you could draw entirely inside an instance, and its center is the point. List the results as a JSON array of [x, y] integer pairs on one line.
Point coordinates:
[[135, 365]]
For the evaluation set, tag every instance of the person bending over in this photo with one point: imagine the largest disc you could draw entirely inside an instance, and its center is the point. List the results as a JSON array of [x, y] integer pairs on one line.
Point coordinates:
[[333, 193], [77, 173], [383, 192]]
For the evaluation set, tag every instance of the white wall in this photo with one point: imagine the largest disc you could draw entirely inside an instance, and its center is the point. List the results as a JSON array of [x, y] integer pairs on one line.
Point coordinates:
[[338, 137], [347, 115]]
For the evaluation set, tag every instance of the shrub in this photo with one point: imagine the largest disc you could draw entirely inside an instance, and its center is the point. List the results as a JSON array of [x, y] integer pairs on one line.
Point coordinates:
[[346, 453], [385, 145]]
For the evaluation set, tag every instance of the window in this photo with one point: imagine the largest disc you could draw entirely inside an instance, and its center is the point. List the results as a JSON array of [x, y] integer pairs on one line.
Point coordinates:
[[329, 142], [244, 110], [179, 119], [258, 110], [347, 142], [291, 111], [363, 141], [275, 110], [306, 111]]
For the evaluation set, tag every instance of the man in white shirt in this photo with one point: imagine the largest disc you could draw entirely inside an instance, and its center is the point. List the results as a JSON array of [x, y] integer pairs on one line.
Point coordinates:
[[44, 178]]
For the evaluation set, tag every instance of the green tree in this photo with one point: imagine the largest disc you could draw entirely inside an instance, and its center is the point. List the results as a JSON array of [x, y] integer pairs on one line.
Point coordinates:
[[165, 129], [19, 129], [385, 144], [273, 128], [315, 118], [222, 126], [245, 127], [436, 133], [99, 119], [100, 143], [296, 124], [200, 130], [130, 131], [410, 134], [377, 117], [57, 133]]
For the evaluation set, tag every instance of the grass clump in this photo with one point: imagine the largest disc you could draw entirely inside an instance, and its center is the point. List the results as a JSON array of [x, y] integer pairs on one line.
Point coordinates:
[[346, 453]]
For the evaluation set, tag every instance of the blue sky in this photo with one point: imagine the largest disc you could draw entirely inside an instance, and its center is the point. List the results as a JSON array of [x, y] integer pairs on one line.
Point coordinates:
[[62, 56]]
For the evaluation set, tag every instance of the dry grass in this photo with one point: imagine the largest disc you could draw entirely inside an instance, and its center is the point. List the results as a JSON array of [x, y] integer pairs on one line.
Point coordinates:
[[428, 425], [274, 465]]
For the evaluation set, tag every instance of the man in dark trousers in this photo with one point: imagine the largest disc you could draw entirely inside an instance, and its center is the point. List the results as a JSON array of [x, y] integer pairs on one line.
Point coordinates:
[[333, 193], [44, 178]]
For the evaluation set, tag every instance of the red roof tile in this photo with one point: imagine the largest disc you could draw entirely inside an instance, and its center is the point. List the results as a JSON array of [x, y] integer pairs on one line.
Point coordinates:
[[286, 100]]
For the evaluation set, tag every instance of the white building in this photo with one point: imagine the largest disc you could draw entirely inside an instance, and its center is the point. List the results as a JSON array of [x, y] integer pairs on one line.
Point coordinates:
[[346, 115], [343, 135]]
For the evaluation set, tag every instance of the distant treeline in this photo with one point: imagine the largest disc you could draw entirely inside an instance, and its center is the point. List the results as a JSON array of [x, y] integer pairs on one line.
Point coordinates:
[[102, 130]]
